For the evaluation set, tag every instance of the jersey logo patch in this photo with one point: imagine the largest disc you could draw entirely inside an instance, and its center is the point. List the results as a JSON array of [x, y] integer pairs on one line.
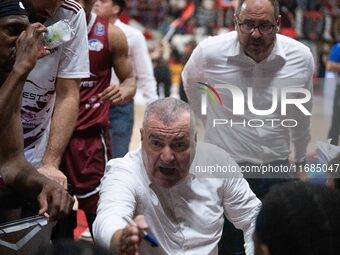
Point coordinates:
[[95, 45], [99, 29]]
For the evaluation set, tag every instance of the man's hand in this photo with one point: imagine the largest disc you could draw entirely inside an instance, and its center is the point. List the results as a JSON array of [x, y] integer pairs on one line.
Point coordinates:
[[113, 95], [54, 200], [27, 48], [54, 174], [131, 237], [301, 174]]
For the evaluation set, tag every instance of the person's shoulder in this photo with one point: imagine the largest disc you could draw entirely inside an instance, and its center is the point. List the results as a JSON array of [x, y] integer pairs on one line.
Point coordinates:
[[211, 152], [292, 45], [130, 164], [69, 8], [222, 40], [336, 47], [218, 47], [130, 32], [127, 27]]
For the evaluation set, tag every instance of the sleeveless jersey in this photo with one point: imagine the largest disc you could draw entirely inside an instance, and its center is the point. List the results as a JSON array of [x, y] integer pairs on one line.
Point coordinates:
[[93, 113]]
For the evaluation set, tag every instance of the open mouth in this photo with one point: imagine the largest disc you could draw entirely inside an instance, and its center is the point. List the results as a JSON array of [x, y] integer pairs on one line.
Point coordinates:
[[167, 171], [256, 43]]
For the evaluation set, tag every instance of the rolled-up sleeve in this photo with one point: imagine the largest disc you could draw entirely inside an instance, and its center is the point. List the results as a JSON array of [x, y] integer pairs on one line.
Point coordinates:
[[117, 199], [300, 135], [241, 207]]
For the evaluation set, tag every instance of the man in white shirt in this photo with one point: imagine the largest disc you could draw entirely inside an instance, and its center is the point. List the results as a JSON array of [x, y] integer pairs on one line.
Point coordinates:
[[51, 93], [254, 68], [160, 183], [121, 116]]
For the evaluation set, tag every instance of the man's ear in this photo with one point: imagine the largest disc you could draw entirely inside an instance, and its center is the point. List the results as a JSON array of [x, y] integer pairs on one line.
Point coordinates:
[[264, 250], [278, 23], [259, 247], [141, 130], [235, 19], [116, 9]]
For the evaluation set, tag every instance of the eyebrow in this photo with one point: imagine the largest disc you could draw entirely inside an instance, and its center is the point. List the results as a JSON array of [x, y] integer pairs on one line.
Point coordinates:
[[257, 21], [155, 136]]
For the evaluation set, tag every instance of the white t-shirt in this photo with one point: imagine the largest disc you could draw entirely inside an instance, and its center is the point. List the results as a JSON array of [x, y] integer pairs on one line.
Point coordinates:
[[69, 60], [141, 62]]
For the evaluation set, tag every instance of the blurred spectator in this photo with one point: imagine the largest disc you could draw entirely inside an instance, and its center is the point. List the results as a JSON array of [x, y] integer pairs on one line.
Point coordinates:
[[206, 16], [188, 49], [159, 57]]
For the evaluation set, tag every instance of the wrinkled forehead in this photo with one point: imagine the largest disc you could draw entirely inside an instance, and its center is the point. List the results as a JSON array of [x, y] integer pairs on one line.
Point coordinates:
[[177, 129], [19, 21], [257, 9]]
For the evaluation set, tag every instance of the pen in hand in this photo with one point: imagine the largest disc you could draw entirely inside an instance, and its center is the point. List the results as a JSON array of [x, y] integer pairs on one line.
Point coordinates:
[[148, 237]]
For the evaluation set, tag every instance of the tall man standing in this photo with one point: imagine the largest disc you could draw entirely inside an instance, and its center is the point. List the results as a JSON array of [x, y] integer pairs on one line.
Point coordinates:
[[258, 65], [122, 116], [51, 93]]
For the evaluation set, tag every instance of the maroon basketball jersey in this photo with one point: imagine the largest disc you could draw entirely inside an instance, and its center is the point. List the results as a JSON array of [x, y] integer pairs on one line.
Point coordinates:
[[93, 113]]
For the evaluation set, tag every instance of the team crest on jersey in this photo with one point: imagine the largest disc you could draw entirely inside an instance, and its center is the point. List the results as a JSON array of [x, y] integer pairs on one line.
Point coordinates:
[[95, 45], [99, 29]]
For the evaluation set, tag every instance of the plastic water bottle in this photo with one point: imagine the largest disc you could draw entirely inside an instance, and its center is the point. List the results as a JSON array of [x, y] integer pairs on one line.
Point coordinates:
[[57, 34]]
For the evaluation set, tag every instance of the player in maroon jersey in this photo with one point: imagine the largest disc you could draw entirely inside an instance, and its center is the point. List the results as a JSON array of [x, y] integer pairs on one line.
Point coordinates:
[[89, 148]]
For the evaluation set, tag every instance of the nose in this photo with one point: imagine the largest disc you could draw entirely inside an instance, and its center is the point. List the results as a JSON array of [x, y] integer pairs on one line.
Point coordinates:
[[256, 33], [167, 155]]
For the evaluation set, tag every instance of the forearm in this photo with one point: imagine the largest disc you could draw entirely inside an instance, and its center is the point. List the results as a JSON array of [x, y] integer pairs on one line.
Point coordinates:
[[63, 121], [115, 241], [21, 176], [128, 88], [11, 95]]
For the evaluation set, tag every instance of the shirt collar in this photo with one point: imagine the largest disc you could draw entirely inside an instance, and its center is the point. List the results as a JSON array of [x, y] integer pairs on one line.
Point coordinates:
[[277, 52], [235, 51]]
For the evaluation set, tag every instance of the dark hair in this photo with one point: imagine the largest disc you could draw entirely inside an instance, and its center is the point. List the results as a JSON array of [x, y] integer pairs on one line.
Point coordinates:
[[300, 219], [121, 4], [275, 4]]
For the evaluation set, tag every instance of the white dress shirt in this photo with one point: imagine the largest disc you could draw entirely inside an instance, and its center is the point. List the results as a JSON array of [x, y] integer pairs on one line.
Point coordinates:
[[185, 219], [220, 60], [141, 62]]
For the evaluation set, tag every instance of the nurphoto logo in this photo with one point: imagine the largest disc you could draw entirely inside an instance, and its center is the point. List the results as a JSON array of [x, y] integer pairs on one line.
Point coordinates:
[[281, 98]]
